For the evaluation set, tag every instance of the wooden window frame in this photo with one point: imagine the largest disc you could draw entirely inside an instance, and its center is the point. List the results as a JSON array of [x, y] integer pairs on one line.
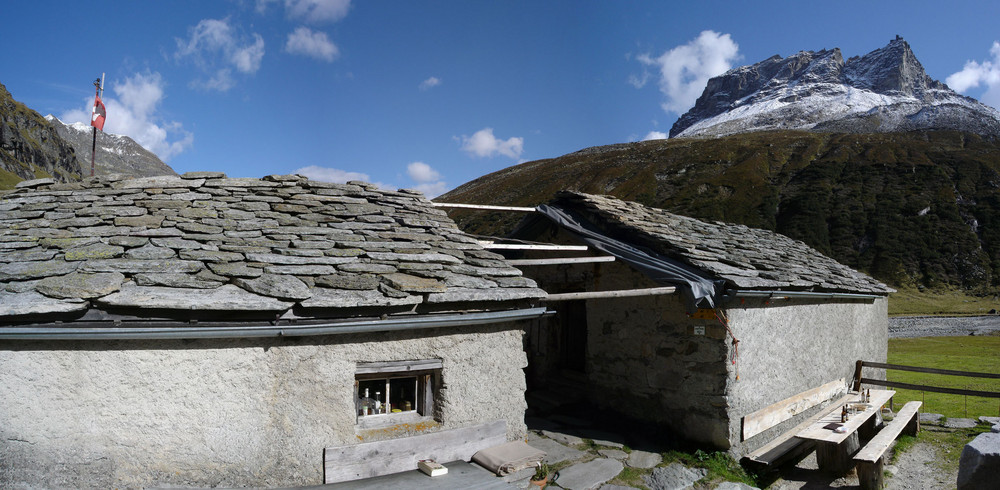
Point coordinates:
[[427, 376]]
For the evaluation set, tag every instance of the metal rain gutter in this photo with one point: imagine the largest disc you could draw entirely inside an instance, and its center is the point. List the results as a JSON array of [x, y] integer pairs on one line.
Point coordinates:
[[254, 331], [800, 294]]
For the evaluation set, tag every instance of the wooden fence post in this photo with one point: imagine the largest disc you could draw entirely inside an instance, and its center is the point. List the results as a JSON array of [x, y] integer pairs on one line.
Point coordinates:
[[857, 375]]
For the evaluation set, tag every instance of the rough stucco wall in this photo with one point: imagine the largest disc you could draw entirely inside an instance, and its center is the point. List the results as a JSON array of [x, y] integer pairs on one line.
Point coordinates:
[[230, 413], [789, 346], [643, 362]]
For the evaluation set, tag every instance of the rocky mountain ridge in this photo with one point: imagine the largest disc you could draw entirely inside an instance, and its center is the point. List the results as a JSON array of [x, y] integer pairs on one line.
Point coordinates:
[[116, 154], [30, 147], [886, 90]]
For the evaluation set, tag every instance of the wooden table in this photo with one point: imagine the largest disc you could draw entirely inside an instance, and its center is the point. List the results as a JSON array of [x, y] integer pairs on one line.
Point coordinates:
[[835, 449]]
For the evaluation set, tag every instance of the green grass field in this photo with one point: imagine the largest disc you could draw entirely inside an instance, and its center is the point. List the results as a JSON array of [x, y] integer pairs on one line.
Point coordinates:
[[973, 354]]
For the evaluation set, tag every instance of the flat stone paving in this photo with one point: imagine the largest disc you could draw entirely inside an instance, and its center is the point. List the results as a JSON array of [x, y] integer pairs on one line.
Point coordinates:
[[590, 474]]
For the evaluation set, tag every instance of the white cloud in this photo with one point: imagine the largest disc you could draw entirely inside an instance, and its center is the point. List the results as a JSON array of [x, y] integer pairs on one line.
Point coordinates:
[[484, 144], [430, 83], [334, 175], [655, 135], [986, 73], [216, 48], [133, 113], [308, 42], [428, 180], [317, 11], [685, 69]]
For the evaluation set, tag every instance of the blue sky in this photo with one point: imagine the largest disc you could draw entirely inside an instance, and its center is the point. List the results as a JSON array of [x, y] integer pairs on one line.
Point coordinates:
[[430, 95]]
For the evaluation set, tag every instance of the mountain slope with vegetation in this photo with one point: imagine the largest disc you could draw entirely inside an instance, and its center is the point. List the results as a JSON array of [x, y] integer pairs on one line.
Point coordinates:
[[30, 148], [912, 209]]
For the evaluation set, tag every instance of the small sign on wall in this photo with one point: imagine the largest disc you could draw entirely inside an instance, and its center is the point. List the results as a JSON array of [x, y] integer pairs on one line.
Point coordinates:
[[699, 330]]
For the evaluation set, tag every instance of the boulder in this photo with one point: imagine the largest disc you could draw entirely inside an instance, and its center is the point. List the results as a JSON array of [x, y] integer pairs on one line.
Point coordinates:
[[674, 476], [979, 466]]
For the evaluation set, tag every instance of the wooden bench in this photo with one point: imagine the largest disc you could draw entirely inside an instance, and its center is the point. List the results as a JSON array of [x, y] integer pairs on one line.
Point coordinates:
[[369, 459], [783, 447], [870, 458], [786, 446]]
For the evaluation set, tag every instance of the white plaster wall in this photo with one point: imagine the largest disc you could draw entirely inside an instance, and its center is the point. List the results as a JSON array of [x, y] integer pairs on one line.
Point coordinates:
[[789, 346], [223, 413]]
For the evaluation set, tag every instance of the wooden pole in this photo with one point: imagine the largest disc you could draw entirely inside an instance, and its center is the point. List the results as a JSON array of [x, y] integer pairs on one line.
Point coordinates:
[[98, 93]]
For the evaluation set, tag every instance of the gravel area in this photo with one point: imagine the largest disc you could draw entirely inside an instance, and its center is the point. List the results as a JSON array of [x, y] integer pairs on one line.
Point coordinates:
[[934, 326]]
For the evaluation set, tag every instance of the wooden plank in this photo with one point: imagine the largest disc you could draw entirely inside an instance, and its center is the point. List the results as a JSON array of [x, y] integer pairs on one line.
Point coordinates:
[[369, 459], [929, 370], [772, 451], [483, 207], [776, 413], [518, 246], [821, 431], [398, 366], [935, 389], [621, 293], [877, 446], [562, 260]]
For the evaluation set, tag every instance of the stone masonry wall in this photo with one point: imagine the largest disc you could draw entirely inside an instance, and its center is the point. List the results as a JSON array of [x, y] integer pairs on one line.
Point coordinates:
[[224, 412], [642, 361], [789, 346]]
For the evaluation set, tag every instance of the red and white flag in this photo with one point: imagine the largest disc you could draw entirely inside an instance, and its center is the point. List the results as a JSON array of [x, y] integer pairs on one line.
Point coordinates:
[[99, 114]]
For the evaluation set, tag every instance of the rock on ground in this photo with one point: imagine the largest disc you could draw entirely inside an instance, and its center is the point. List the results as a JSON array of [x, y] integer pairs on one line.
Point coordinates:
[[589, 475], [674, 476], [979, 466], [643, 459]]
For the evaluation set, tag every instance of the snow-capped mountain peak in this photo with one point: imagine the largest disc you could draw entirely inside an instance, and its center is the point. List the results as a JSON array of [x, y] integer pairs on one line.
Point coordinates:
[[115, 153], [883, 91]]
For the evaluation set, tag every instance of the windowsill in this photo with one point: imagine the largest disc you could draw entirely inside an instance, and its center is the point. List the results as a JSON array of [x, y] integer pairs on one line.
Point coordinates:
[[389, 419]]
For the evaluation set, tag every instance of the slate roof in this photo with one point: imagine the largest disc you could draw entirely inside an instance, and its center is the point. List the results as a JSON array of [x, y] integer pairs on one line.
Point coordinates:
[[747, 258], [203, 244]]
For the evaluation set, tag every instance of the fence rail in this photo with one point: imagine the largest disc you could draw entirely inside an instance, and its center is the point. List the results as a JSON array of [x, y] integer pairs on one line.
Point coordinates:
[[858, 379]]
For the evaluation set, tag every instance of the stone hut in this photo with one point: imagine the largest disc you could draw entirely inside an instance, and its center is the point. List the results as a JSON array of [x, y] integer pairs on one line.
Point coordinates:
[[801, 319], [210, 331]]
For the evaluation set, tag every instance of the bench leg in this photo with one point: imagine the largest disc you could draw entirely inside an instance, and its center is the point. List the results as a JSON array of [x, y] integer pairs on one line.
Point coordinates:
[[836, 458], [913, 426], [870, 475]]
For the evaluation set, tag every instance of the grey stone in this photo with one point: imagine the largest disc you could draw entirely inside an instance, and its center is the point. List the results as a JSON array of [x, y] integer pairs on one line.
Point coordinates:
[[960, 423], [199, 228], [28, 255], [28, 184], [674, 476], [176, 243], [33, 303], [456, 295], [81, 285], [365, 267], [279, 259], [643, 459], [157, 182], [563, 438], [613, 454], [989, 420], [210, 255], [555, 452], [68, 242], [301, 270], [235, 269], [732, 485], [930, 418], [133, 266], [617, 487], [22, 271], [421, 257], [590, 474], [176, 281], [95, 251], [349, 281], [413, 284], [223, 298], [333, 298], [148, 221], [203, 175], [150, 252], [979, 465], [128, 241], [995, 428], [601, 438], [276, 286]]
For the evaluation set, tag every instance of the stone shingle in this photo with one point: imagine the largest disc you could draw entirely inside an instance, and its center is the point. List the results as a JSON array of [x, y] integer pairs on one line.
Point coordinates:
[[205, 242]]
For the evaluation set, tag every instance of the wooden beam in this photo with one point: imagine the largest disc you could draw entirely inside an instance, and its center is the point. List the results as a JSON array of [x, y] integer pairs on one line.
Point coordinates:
[[935, 389], [621, 293], [928, 370], [778, 412], [483, 207], [369, 459], [518, 246], [562, 260]]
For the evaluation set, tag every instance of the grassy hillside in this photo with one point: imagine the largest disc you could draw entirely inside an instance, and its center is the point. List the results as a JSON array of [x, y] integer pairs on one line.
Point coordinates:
[[912, 209]]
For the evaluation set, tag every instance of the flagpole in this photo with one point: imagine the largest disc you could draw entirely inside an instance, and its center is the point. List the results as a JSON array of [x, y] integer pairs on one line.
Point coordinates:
[[98, 92]]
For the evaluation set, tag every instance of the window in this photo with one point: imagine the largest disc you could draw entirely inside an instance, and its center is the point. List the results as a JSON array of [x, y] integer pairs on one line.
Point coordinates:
[[389, 391]]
